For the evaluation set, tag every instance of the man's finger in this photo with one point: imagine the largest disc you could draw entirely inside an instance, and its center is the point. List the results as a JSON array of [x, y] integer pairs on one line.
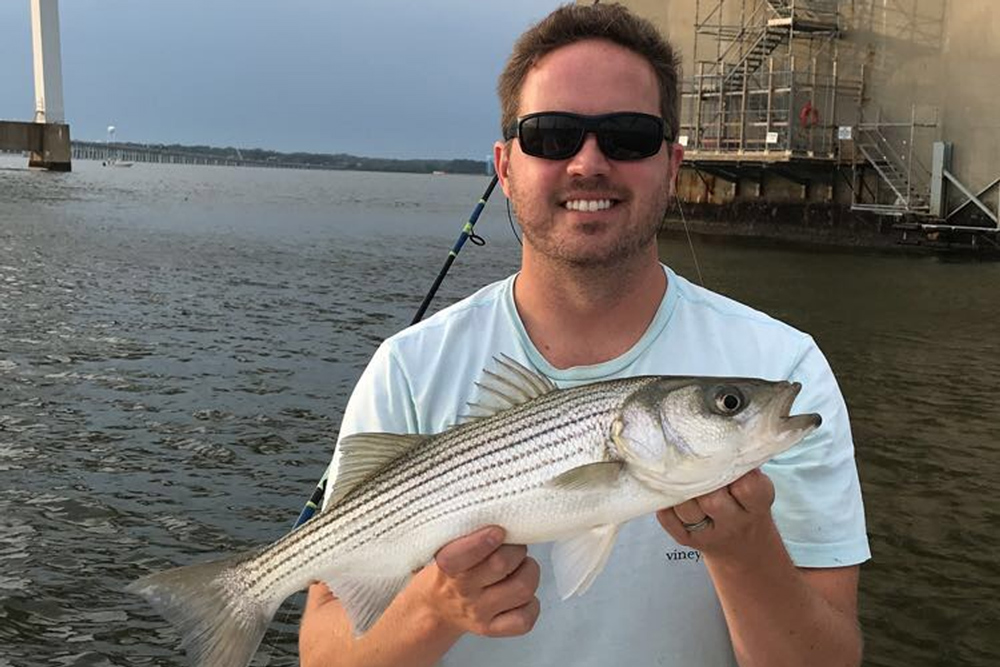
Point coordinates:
[[515, 590], [515, 622], [319, 595], [497, 566], [672, 524], [720, 504], [466, 552], [754, 491], [690, 511]]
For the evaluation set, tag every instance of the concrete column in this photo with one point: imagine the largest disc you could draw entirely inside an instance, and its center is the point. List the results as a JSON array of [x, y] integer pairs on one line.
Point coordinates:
[[54, 152], [48, 61]]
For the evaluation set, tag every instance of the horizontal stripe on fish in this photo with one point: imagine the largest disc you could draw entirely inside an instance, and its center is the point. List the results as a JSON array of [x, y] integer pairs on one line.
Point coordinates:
[[481, 442], [400, 505]]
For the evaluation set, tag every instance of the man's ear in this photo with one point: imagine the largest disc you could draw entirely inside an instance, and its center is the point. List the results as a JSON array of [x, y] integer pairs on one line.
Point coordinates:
[[676, 157], [501, 162]]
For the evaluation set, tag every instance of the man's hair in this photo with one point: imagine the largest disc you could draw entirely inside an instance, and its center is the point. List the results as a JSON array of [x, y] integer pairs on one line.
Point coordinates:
[[574, 23]]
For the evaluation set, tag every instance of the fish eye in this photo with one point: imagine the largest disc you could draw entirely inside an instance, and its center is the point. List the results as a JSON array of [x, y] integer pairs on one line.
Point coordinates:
[[729, 400]]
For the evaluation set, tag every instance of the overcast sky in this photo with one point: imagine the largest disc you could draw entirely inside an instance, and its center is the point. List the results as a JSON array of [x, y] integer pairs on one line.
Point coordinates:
[[383, 78]]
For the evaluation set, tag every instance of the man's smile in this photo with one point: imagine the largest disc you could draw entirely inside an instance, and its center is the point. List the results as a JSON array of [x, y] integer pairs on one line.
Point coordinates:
[[589, 205]]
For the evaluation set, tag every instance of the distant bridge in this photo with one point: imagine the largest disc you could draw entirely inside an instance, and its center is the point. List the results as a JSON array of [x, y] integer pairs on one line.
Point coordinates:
[[124, 153]]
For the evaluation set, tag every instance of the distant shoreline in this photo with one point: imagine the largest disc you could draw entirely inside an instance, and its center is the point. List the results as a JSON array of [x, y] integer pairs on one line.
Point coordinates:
[[259, 157]]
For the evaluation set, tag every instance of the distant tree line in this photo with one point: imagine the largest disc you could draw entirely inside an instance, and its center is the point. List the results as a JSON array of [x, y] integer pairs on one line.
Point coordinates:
[[324, 160]]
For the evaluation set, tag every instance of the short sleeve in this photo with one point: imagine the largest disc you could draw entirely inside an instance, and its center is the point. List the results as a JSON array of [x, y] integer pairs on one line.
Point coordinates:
[[818, 506], [380, 403]]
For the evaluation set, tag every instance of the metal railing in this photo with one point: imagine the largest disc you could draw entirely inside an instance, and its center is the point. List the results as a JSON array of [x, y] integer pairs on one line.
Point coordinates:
[[817, 11], [892, 150]]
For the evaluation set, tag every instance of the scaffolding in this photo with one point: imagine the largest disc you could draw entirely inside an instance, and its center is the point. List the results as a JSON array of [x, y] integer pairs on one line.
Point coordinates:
[[767, 86], [769, 93]]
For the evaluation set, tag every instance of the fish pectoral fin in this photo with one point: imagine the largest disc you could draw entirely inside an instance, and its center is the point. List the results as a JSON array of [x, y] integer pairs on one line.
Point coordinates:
[[364, 454], [578, 560], [364, 599], [589, 477]]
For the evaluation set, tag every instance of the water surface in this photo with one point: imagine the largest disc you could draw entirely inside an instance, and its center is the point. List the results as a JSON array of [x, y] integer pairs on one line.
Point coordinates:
[[177, 345]]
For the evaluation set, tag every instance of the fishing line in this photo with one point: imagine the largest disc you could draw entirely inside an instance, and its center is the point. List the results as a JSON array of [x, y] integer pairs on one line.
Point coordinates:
[[694, 255], [513, 229]]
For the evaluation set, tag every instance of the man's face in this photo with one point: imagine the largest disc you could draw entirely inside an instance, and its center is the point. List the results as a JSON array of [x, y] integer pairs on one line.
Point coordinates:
[[591, 77]]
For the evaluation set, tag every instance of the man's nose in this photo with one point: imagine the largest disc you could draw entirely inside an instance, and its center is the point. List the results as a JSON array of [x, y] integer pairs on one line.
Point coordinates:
[[589, 160]]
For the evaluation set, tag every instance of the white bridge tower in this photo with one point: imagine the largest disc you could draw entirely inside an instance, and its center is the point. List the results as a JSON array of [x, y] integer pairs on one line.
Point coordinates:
[[47, 61], [47, 138]]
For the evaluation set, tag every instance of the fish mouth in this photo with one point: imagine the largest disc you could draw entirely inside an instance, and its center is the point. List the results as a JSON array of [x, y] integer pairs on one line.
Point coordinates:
[[777, 430], [787, 422]]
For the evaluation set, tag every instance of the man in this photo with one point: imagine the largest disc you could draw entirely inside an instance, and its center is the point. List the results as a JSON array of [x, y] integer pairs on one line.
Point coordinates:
[[713, 581]]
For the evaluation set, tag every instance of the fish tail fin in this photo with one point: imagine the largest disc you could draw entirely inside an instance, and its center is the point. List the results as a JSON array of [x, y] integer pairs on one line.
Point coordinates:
[[221, 622]]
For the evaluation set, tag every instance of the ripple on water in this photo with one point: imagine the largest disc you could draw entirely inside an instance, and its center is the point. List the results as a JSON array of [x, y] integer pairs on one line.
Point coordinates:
[[16, 538]]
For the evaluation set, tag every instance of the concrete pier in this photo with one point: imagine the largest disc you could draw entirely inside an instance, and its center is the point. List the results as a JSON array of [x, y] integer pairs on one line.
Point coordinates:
[[54, 153], [48, 143]]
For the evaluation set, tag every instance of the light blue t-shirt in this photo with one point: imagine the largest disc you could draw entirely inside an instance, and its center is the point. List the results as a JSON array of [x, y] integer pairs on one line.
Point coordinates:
[[654, 603]]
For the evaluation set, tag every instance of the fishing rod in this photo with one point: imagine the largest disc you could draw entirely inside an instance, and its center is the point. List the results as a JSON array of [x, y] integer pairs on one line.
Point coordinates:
[[468, 234]]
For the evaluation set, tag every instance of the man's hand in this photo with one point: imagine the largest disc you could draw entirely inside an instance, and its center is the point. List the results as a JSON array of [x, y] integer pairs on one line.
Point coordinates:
[[737, 514], [478, 584], [475, 584], [777, 614]]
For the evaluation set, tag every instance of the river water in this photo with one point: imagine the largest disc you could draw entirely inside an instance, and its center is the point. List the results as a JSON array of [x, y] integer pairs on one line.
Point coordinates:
[[177, 345]]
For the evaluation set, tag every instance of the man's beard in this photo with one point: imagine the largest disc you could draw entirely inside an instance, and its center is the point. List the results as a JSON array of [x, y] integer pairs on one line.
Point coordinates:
[[540, 232]]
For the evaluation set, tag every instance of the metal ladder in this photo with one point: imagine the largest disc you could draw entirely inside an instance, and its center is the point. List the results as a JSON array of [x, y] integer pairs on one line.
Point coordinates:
[[893, 171]]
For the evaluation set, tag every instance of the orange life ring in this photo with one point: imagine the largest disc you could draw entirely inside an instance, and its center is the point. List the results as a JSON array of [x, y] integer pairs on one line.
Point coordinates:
[[809, 115]]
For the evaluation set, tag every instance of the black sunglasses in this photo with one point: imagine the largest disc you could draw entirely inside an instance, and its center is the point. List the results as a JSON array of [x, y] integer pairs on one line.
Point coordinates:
[[558, 135]]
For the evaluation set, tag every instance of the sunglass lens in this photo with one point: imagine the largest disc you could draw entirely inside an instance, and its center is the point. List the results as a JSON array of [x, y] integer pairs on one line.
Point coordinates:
[[630, 137], [552, 137]]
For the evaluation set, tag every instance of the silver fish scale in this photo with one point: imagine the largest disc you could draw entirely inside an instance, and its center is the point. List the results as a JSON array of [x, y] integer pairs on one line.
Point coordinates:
[[467, 466]]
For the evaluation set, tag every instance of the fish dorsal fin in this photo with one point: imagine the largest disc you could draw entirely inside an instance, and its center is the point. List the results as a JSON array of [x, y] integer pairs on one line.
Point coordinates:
[[364, 454], [508, 385], [365, 598], [578, 560]]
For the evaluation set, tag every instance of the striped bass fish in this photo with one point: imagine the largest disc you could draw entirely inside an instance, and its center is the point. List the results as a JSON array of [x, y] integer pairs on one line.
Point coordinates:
[[568, 466]]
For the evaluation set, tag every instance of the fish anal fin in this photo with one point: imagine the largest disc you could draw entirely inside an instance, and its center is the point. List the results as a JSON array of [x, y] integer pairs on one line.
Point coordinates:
[[589, 477], [578, 560], [366, 598], [364, 454]]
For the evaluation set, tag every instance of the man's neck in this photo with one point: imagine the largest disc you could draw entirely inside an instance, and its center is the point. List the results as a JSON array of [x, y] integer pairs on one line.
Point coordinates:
[[580, 316]]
